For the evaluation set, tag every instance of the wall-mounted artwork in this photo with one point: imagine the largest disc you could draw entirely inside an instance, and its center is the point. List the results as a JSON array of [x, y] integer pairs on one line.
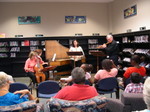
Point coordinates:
[[130, 11], [29, 19], [75, 19]]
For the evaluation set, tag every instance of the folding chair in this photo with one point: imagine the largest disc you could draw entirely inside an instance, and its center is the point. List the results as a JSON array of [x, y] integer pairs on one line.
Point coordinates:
[[108, 86], [47, 89]]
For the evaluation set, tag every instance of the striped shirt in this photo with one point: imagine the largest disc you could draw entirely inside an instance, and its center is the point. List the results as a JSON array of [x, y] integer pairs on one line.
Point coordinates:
[[134, 88]]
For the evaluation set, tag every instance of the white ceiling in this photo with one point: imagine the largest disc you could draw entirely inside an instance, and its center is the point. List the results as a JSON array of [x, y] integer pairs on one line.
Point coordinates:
[[90, 1]]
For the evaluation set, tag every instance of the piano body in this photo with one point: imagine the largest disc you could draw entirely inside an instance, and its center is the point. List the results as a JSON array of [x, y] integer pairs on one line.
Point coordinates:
[[62, 60]]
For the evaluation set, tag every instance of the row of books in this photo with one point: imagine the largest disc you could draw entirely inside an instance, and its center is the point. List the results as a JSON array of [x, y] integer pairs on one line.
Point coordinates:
[[4, 49], [3, 44], [93, 46], [140, 51], [13, 43], [130, 50], [3, 55], [15, 49], [137, 39], [92, 41]]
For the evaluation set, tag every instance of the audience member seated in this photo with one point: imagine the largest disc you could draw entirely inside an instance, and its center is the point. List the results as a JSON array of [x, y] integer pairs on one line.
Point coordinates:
[[143, 61], [7, 98], [109, 70], [10, 78], [135, 86], [77, 91], [95, 104], [87, 68], [135, 61], [146, 95]]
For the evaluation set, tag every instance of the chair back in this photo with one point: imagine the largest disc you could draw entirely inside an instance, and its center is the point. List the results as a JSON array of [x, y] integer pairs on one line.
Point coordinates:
[[95, 104], [28, 106], [17, 86], [107, 84], [47, 89]]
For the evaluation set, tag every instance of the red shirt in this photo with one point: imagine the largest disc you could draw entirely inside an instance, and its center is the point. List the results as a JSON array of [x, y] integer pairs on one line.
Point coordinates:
[[130, 70], [76, 92]]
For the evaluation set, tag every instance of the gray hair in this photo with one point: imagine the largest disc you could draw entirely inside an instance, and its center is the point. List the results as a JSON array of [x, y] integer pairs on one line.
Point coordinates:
[[146, 92], [109, 36], [78, 75], [3, 79]]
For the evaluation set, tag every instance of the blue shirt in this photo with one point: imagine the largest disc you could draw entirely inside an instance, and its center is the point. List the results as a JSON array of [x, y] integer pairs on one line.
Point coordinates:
[[11, 99]]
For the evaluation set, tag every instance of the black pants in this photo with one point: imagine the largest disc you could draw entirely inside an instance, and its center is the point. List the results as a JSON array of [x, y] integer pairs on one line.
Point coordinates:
[[114, 58], [32, 77], [77, 63]]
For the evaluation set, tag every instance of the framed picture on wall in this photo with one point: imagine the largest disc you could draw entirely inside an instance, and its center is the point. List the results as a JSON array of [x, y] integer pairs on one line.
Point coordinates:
[[130, 11], [75, 19], [29, 19]]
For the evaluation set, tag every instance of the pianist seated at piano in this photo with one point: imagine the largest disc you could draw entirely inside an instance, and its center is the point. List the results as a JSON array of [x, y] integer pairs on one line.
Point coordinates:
[[76, 48]]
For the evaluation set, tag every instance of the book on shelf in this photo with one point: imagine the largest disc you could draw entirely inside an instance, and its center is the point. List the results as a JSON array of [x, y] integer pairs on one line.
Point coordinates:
[[43, 43], [34, 43], [33, 48], [127, 59], [13, 43], [15, 49], [25, 43], [142, 51], [93, 46], [3, 55], [3, 44], [92, 41], [130, 50], [12, 55]]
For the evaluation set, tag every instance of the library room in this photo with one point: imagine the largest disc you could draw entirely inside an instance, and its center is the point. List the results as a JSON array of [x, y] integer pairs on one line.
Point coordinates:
[[75, 55]]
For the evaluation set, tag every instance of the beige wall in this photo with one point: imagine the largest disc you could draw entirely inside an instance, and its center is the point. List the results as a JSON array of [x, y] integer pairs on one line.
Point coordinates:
[[52, 18], [120, 25]]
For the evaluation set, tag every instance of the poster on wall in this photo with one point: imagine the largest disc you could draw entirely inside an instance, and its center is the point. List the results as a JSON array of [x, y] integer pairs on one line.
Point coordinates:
[[29, 19], [75, 19], [130, 11]]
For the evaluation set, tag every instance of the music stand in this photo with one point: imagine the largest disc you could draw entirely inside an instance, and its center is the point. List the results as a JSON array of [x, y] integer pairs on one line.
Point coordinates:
[[98, 54], [74, 53]]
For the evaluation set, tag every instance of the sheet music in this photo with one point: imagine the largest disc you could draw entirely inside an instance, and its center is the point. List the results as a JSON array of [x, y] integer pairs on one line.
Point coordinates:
[[54, 57]]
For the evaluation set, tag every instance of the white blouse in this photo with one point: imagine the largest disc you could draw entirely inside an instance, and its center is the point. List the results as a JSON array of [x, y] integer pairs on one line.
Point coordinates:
[[76, 58]]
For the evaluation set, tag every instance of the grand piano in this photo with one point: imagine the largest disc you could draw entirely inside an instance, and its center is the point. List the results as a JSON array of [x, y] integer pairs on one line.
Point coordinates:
[[62, 60]]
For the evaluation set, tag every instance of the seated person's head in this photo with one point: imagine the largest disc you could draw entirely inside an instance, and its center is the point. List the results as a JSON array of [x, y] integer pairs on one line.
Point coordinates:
[[135, 59], [135, 78], [78, 75], [146, 92], [143, 58], [3, 79], [87, 67], [39, 51], [107, 64], [90, 68]]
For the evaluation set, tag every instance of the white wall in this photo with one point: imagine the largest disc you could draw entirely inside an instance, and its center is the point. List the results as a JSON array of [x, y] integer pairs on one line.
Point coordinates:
[[120, 25], [52, 18]]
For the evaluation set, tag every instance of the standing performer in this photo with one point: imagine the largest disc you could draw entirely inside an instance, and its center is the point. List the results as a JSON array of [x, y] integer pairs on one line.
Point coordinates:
[[111, 48], [75, 47]]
